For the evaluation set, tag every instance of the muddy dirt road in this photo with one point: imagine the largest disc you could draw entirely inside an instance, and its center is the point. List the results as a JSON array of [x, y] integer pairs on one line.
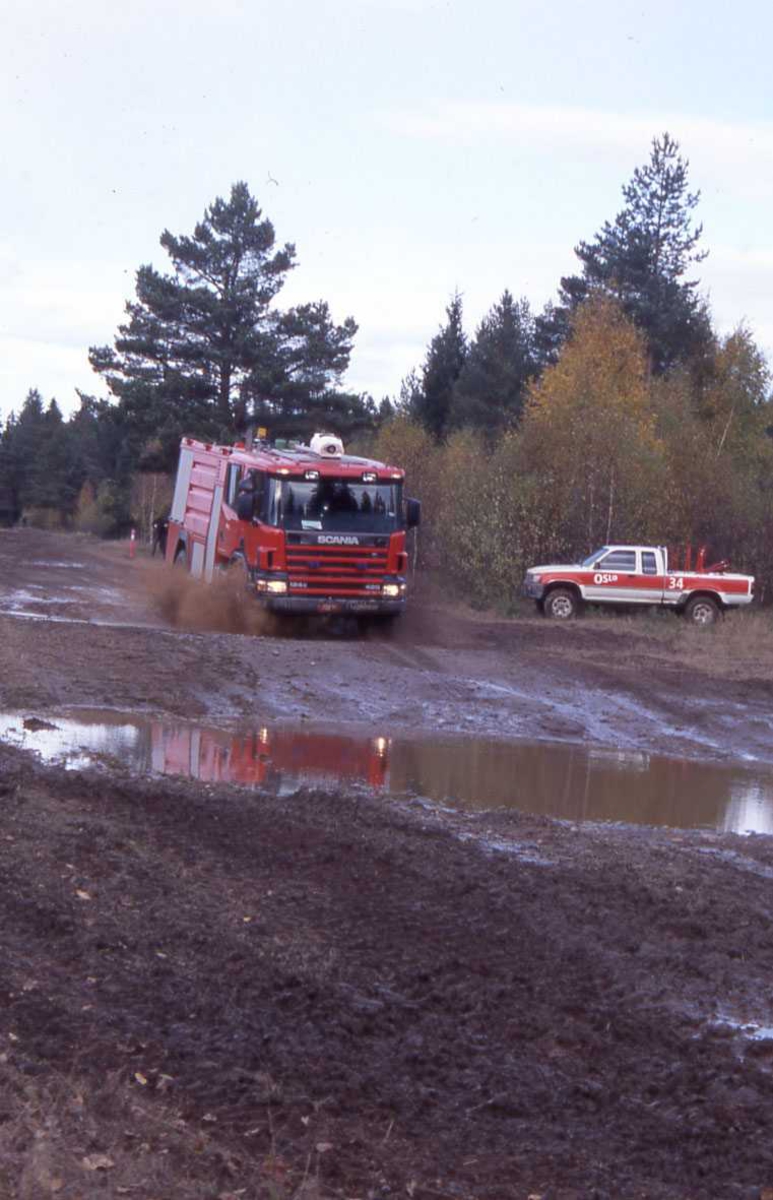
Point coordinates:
[[214, 992], [114, 633]]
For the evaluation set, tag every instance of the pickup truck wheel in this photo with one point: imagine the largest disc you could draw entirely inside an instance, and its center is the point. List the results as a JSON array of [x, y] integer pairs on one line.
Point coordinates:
[[561, 604], [702, 610]]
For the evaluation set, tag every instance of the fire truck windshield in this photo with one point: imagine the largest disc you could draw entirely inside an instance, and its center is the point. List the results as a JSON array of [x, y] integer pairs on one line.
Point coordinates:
[[335, 504]]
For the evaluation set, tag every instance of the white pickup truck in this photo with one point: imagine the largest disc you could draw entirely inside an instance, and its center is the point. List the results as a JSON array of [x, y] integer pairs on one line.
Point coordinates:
[[637, 575]]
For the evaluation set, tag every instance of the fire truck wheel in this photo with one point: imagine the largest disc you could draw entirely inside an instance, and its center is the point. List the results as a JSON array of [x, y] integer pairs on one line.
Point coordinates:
[[702, 610], [237, 569], [561, 604]]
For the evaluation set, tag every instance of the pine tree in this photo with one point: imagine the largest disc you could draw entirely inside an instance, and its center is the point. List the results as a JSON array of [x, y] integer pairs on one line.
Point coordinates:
[[490, 390], [641, 259], [294, 386], [205, 351], [551, 329]]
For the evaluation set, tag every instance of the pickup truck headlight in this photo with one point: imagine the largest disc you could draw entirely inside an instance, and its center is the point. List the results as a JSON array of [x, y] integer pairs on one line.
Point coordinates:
[[535, 578]]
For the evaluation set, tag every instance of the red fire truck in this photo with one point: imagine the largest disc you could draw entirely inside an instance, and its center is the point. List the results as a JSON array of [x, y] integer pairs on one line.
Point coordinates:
[[268, 756], [314, 530]]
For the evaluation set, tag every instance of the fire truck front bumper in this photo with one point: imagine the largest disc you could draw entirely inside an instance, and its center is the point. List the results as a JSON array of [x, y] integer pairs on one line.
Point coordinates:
[[280, 593], [353, 605]]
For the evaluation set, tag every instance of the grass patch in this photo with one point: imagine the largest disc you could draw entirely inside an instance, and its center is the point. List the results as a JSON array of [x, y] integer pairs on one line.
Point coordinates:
[[739, 645]]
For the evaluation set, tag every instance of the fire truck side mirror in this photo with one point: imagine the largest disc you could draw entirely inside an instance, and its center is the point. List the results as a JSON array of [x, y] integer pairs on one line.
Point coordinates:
[[412, 513], [245, 505]]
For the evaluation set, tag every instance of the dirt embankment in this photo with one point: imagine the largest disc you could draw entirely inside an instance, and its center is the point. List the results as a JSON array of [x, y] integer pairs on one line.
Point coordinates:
[[209, 992]]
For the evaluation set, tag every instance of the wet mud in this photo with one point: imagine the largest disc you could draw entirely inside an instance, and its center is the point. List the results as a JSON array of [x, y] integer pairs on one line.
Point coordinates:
[[450, 1003], [142, 638], [567, 782]]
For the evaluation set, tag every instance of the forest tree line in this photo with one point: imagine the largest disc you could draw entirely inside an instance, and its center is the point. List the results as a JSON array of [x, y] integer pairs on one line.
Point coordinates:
[[615, 413]]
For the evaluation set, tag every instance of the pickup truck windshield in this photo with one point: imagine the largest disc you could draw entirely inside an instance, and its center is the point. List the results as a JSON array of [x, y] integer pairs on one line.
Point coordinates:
[[593, 558], [341, 505]]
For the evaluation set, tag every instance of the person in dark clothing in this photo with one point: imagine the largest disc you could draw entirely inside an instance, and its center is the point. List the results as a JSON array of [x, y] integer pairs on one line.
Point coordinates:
[[160, 530]]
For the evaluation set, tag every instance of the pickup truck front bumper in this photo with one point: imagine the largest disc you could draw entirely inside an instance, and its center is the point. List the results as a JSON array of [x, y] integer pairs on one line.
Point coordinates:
[[532, 587]]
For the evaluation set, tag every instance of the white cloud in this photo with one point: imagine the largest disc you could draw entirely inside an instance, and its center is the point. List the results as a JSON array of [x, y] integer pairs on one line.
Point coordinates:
[[579, 126], [49, 366], [724, 147], [49, 316], [737, 283]]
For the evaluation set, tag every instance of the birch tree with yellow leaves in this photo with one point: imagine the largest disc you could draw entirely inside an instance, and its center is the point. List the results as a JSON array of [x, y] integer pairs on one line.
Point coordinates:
[[589, 436]]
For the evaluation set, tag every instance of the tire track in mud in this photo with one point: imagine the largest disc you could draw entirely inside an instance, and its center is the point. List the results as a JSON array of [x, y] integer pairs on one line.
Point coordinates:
[[414, 659], [560, 708], [472, 704]]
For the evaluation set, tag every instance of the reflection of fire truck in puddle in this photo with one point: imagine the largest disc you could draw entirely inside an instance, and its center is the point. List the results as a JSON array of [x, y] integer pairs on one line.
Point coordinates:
[[266, 757]]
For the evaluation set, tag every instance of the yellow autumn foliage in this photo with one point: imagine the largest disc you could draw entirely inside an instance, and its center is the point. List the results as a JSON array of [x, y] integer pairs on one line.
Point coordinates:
[[603, 453], [589, 434]]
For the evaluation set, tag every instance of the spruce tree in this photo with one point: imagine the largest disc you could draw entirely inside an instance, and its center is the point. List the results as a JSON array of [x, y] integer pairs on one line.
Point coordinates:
[[50, 478], [431, 403], [9, 494], [27, 439], [490, 390]]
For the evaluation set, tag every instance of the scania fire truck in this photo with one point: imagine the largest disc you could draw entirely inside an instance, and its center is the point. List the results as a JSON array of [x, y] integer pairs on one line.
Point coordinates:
[[314, 530], [264, 757]]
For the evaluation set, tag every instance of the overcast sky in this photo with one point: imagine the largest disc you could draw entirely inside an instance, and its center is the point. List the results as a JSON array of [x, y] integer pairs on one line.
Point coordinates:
[[407, 147]]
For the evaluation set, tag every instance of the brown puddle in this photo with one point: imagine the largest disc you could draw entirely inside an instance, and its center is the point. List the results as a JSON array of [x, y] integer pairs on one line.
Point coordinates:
[[570, 782]]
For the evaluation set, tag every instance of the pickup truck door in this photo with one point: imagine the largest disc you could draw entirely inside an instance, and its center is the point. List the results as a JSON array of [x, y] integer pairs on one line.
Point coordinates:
[[613, 577], [649, 582]]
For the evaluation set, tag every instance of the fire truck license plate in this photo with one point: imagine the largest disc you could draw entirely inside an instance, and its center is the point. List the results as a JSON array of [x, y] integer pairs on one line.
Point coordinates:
[[328, 608]]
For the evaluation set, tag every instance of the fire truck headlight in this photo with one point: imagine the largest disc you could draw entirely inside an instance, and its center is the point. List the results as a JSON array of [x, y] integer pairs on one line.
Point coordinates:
[[277, 586], [391, 589]]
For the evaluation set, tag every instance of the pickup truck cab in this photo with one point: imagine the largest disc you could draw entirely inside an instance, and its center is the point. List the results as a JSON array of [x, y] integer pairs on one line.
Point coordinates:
[[637, 575]]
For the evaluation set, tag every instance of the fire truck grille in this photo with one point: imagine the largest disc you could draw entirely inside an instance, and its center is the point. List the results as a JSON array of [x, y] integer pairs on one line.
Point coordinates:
[[336, 570]]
